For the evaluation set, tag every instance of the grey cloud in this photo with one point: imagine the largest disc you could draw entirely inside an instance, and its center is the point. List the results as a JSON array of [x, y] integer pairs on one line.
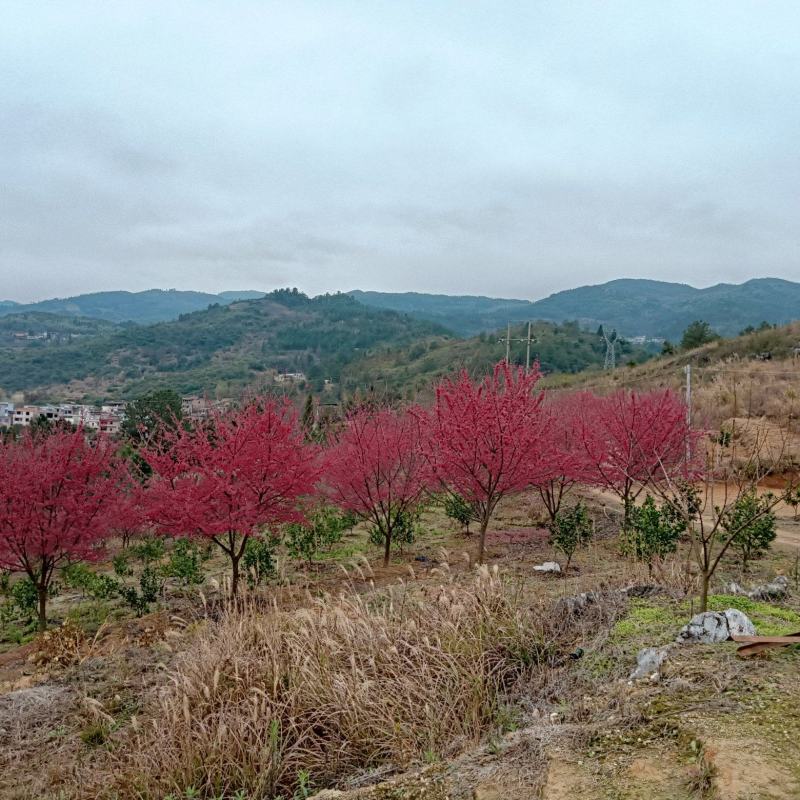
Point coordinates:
[[503, 148]]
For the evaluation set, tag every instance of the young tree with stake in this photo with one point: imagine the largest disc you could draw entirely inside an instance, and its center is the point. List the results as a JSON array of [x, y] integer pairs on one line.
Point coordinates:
[[377, 469], [232, 475], [713, 507]]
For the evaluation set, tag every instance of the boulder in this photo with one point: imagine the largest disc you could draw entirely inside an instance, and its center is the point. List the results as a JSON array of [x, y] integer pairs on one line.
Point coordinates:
[[548, 566], [710, 627], [774, 590], [648, 663], [739, 623]]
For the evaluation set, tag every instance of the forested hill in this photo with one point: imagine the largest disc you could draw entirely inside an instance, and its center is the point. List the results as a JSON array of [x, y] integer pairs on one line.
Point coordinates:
[[153, 305], [635, 307], [558, 349], [217, 351]]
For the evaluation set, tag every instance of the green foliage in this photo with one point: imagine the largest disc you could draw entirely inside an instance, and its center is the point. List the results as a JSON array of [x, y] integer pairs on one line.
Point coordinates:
[[404, 531], [145, 415], [460, 510], [121, 566], [284, 331], [769, 619], [558, 348], [150, 548], [24, 596], [571, 528], [751, 524], [258, 560], [792, 498], [149, 589], [696, 334], [92, 584], [652, 532], [323, 528], [185, 563]]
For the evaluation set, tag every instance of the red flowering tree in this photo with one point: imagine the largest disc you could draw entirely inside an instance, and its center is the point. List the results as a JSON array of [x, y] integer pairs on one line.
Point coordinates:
[[633, 440], [57, 502], [231, 476], [487, 438], [561, 432], [377, 468]]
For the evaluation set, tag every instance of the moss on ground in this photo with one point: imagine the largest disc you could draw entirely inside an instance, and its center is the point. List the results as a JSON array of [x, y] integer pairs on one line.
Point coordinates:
[[769, 619]]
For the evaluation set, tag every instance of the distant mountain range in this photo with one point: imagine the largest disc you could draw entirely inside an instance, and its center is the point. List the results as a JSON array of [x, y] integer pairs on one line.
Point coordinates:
[[219, 350], [635, 307], [153, 305]]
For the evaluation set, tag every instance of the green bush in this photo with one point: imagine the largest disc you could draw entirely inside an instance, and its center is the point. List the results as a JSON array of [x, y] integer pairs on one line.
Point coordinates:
[[460, 510], [148, 549], [258, 560], [405, 531], [24, 596], [652, 532], [185, 563], [571, 529], [751, 524], [149, 589], [324, 528], [93, 584]]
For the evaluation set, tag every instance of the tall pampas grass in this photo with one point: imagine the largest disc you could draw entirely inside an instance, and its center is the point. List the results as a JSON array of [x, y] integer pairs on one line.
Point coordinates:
[[347, 684]]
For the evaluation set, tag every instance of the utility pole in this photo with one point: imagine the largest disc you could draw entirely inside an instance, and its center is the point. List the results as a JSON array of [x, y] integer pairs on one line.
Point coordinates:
[[688, 371], [527, 339], [528, 350]]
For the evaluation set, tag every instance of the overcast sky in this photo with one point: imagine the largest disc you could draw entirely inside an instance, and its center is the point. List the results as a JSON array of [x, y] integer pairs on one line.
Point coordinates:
[[508, 149]]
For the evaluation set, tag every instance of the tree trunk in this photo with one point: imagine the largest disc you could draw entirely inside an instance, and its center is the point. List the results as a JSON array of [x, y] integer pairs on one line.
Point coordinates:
[[482, 542], [234, 575], [704, 591], [42, 606], [387, 547]]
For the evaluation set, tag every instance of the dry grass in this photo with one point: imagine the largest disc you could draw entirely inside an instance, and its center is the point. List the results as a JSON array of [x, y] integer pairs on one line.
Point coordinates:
[[348, 684]]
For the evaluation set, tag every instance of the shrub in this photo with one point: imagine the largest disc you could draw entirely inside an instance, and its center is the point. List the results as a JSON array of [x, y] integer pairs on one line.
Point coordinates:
[[185, 563], [258, 561], [751, 520], [24, 596], [149, 589], [121, 566], [652, 532], [460, 510], [406, 528], [324, 528], [570, 530], [98, 586], [150, 548]]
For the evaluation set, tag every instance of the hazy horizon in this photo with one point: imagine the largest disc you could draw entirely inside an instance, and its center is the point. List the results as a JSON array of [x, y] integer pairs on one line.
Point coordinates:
[[502, 149], [361, 288]]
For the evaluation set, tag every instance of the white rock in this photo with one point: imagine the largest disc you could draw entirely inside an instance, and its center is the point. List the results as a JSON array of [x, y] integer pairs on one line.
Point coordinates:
[[707, 627], [648, 663], [548, 566], [710, 627], [739, 623], [774, 590]]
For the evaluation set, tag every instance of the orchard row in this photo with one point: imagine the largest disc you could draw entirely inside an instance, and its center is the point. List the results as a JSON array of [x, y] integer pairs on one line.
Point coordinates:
[[242, 473]]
